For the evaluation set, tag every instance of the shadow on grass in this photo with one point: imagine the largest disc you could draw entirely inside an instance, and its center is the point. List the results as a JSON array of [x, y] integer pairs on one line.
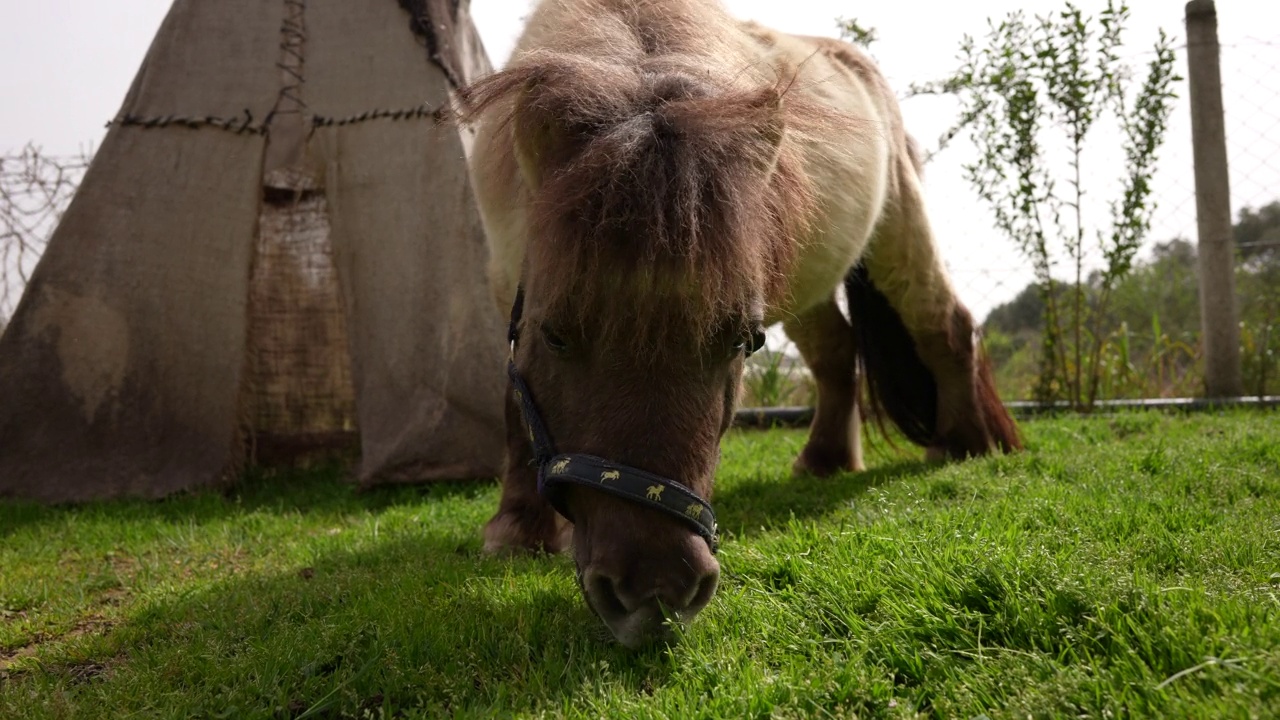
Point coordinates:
[[323, 489], [767, 504], [419, 620], [411, 623]]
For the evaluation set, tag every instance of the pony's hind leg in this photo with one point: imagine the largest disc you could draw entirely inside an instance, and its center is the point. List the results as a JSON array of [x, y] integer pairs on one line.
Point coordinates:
[[524, 521], [919, 343], [825, 342]]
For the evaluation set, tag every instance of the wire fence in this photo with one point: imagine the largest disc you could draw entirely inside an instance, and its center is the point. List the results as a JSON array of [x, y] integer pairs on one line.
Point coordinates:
[[35, 190], [1251, 104], [988, 272]]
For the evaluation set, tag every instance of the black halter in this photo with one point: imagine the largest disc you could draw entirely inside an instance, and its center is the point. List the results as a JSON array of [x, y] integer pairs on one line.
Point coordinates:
[[556, 470]]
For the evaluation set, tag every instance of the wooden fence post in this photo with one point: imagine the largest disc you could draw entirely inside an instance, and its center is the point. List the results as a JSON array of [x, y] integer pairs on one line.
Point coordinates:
[[1219, 318]]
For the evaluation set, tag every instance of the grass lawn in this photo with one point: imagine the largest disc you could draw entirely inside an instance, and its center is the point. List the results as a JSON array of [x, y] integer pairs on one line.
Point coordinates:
[[1124, 566]]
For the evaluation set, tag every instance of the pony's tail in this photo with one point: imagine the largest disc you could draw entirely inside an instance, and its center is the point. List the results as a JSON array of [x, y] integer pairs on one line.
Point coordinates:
[[898, 385], [999, 422], [901, 387]]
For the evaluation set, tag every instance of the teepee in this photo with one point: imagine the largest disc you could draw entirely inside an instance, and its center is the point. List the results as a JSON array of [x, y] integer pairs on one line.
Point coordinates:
[[275, 250]]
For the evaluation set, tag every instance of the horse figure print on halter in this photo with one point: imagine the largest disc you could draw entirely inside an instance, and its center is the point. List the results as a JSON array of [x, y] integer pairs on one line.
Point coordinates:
[[659, 182]]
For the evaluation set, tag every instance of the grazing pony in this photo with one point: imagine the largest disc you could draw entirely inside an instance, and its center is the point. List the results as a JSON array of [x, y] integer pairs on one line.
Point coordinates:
[[659, 182]]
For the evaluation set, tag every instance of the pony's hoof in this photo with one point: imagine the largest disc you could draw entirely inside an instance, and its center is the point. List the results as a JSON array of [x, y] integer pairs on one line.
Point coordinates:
[[816, 462], [936, 454], [508, 533]]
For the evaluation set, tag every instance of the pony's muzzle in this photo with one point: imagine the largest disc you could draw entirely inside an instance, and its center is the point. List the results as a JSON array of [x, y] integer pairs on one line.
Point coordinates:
[[639, 607]]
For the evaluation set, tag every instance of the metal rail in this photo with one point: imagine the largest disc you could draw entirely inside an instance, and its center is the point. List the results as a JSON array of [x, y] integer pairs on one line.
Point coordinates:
[[802, 416]]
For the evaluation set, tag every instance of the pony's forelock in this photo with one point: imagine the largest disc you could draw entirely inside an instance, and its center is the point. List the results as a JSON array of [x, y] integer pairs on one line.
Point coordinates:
[[663, 199]]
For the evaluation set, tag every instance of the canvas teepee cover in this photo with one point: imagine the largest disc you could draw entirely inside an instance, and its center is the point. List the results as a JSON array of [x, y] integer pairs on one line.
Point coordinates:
[[275, 248]]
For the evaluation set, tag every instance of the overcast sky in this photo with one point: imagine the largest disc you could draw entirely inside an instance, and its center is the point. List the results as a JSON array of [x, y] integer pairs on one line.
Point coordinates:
[[68, 64]]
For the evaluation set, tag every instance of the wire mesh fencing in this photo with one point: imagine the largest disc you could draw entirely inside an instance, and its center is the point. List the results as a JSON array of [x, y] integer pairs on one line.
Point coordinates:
[[1163, 318], [35, 189], [1251, 99]]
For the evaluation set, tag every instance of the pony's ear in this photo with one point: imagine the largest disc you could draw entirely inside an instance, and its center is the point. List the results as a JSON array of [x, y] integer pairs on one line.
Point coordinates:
[[542, 140]]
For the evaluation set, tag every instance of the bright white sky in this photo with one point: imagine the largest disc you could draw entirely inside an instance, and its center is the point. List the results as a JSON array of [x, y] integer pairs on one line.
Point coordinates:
[[68, 64]]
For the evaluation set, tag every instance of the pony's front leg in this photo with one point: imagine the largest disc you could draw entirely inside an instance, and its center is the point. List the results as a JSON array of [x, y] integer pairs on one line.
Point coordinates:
[[524, 521], [826, 343]]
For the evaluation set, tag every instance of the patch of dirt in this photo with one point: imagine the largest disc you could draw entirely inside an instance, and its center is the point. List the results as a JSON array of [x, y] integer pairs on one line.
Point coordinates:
[[231, 561], [86, 671], [123, 565], [92, 624], [9, 657], [113, 597], [371, 704]]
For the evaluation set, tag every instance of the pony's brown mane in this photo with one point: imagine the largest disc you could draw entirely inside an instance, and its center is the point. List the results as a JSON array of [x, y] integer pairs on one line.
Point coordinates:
[[660, 192]]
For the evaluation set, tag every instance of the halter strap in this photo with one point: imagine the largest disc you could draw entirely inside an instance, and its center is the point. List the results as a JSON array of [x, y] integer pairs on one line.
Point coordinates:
[[557, 470]]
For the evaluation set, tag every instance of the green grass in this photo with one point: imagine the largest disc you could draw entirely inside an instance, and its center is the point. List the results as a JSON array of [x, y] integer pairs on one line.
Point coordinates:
[[1126, 566]]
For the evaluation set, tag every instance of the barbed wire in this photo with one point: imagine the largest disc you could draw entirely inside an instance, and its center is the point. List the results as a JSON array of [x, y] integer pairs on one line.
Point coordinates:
[[35, 189]]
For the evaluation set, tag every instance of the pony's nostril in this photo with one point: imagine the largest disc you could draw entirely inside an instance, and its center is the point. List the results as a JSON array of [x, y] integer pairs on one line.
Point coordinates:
[[703, 592], [603, 593], [692, 598]]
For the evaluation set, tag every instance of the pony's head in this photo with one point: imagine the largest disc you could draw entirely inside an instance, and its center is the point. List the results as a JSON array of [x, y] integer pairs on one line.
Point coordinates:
[[664, 208]]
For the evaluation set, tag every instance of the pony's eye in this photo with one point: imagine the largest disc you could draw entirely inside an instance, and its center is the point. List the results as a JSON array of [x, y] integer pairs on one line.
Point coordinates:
[[751, 343], [554, 341]]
